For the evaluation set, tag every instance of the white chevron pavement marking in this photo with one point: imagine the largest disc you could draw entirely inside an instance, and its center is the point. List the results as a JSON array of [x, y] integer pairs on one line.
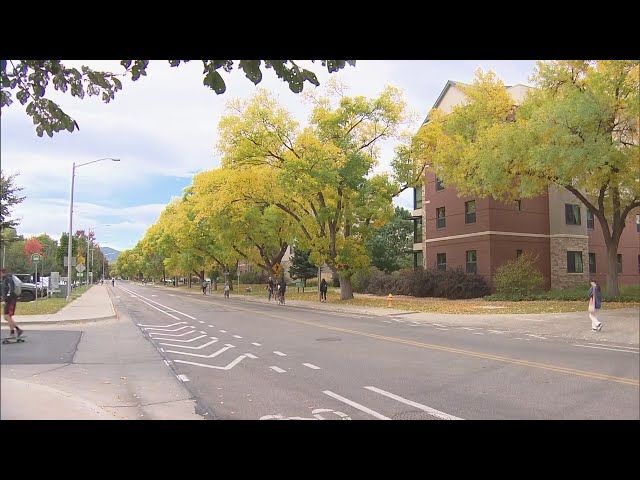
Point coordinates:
[[356, 405], [280, 353], [228, 367], [158, 303], [429, 410], [256, 344], [478, 333], [166, 330], [605, 348], [223, 331], [250, 355], [214, 354], [212, 326], [237, 336], [312, 366], [277, 369], [200, 321], [172, 334], [192, 348], [183, 341], [163, 326], [183, 378]]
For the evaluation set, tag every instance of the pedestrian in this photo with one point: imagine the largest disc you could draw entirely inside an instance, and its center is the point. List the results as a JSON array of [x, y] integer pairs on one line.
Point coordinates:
[[595, 302], [204, 287], [270, 288], [113, 282], [323, 290], [10, 299], [282, 290], [226, 289]]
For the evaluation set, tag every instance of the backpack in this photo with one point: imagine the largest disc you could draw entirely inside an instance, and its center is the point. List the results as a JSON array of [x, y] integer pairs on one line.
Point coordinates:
[[17, 286]]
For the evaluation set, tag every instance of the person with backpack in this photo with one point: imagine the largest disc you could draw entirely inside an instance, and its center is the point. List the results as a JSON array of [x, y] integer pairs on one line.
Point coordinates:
[[10, 294], [282, 290], [204, 287], [323, 290]]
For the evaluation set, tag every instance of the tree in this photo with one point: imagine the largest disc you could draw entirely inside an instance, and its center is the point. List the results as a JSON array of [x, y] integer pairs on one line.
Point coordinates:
[[301, 266], [63, 250], [32, 77], [49, 248], [8, 199], [390, 246], [578, 130], [15, 259], [32, 246]]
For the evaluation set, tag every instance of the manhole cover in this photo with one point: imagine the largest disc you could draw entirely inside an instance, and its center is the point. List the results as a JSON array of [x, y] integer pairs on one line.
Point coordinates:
[[415, 415], [328, 339]]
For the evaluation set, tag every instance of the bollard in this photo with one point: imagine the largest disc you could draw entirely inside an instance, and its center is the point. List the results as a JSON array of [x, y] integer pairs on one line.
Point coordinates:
[[389, 300]]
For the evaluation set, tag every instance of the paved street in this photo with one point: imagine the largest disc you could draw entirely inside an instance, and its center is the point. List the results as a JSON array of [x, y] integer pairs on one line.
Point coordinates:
[[246, 360]]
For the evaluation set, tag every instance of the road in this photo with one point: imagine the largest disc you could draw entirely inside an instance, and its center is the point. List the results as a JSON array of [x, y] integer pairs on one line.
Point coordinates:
[[248, 360]]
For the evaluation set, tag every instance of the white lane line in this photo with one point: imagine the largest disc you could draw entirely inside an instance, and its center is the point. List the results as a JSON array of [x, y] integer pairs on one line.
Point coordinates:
[[429, 410], [228, 367], [468, 328], [203, 332], [256, 344], [280, 353], [237, 336], [311, 366], [191, 348], [498, 331], [250, 355], [223, 331], [439, 325], [166, 363], [617, 346], [162, 349], [605, 348], [356, 405], [212, 326], [518, 338], [442, 329], [172, 334], [200, 321], [163, 326], [535, 336], [183, 378], [386, 321], [277, 369], [166, 330], [165, 306], [183, 341], [214, 354], [478, 333], [154, 295]]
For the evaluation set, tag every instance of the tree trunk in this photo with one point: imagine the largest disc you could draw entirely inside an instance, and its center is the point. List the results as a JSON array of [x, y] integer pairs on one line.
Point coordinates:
[[346, 291], [612, 275]]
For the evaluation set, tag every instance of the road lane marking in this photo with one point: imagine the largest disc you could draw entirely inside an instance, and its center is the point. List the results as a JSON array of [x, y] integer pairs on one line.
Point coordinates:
[[442, 329], [429, 410], [256, 344], [171, 334], [535, 336], [163, 326], [609, 345], [178, 340], [237, 336], [280, 353], [203, 332], [213, 355], [470, 353], [498, 331], [250, 355], [478, 333], [200, 321], [605, 348], [228, 367], [212, 326], [162, 349], [356, 405], [183, 378], [277, 369], [311, 366], [158, 303], [165, 330], [191, 348], [166, 363], [223, 331]]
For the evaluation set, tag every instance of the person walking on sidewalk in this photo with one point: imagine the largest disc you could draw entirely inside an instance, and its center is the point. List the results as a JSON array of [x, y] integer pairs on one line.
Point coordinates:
[[270, 289], [595, 302], [323, 290], [10, 299], [204, 287]]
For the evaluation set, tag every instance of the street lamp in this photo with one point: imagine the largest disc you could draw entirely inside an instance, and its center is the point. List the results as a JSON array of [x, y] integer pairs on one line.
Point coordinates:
[[88, 240], [73, 176]]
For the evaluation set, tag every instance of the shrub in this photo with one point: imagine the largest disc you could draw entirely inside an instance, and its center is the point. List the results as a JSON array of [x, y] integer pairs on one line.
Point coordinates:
[[519, 276], [256, 276], [335, 281]]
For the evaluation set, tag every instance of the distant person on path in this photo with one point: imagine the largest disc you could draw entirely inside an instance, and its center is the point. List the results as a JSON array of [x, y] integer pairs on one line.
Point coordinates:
[[113, 282], [595, 302], [204, 287], [226, 289], [10, 299], [270, 288], [323, 290], [282, 290]]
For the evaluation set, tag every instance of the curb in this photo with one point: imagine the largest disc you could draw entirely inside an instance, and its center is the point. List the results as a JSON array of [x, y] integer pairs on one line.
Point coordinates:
[[58, 322]]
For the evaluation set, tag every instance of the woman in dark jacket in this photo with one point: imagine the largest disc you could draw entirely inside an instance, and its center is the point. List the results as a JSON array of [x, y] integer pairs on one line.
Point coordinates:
[[595, 302], [323, 290]]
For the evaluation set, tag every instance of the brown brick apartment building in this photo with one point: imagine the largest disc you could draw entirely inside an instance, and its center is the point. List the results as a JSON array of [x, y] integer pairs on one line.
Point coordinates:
[[480, 234]]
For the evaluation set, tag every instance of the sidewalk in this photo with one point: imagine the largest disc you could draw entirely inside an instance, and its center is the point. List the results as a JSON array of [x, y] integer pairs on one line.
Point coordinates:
[[68, 369], [621, 326]]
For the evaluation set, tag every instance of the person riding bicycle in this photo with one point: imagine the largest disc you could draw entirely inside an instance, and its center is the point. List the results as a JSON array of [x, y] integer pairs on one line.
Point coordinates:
[[282, 290]]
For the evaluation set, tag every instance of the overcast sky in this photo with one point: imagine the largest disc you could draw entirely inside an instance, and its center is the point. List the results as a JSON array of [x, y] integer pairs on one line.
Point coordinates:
[[164, 129]]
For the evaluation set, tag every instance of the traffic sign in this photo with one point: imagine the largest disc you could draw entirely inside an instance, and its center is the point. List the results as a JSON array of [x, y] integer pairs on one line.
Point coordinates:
[[80, 268], [277, 268], [36, 257]]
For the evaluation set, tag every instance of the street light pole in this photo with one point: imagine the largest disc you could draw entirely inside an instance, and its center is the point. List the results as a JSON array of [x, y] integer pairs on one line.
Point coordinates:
[[69, 250]]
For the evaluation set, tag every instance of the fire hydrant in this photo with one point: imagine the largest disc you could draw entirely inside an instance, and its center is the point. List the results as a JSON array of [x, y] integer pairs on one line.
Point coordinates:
[[389, 300]]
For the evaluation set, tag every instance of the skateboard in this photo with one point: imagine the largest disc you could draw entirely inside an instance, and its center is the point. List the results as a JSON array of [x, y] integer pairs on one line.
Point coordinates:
[[13, 340]]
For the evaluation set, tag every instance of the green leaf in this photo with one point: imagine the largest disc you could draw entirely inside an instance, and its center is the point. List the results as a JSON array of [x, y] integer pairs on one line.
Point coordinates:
[[126, 63], [214, 81], [310, 76], [251, 70]]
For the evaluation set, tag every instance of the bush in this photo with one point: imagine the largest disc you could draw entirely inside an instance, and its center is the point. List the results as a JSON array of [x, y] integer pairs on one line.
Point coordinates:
[[575, 294], [258, 276], [519, 276], [335, 281]]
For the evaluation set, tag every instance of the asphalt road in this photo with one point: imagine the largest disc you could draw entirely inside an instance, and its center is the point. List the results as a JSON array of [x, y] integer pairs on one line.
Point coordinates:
[[256, 361]]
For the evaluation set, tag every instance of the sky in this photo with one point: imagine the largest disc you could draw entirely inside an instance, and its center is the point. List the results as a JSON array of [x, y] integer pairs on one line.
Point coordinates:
[[163, 128]]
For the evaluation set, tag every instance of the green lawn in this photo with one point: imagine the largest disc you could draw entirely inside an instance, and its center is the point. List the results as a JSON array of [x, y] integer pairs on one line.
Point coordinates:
[[44, 306]]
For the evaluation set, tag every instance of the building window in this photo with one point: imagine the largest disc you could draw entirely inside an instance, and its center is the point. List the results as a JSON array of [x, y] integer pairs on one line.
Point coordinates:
[[619, 263], [519, 205], [417, 198], [417, 230], [470, 212], [638, 223], [518, 253], [589, 218], [441, 261], [574, 262], [572, 214], [439, 184], [417, 260], [441, 221], [592, 263], [472, 261]]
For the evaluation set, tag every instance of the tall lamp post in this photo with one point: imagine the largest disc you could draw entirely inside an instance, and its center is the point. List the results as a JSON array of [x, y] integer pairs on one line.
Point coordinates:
[[88, 240], [69, 250]]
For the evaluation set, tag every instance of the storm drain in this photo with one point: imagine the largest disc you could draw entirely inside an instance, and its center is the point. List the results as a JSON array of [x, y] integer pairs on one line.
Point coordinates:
[[415, 415], [328, 339]]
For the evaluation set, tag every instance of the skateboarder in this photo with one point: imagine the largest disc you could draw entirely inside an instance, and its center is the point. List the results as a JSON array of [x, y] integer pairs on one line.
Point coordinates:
[[10, 299]]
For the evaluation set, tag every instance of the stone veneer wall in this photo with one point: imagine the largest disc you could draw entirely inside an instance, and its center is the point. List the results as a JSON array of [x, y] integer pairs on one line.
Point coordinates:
[[559, 246]]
